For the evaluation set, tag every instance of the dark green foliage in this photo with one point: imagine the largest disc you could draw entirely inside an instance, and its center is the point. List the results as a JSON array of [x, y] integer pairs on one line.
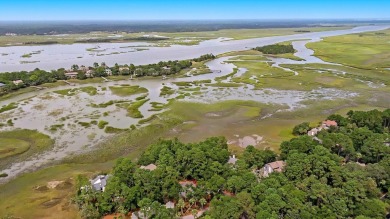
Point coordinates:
[[257, 158], [302, 144], [204, 58], [276, 49], [301, 129], [373, 119], [321, 178]]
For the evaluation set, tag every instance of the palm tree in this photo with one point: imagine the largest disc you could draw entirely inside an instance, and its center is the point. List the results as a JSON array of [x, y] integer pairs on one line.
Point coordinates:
[[192, 202], [181, 204], [194, 213], [358, 156], [202, 202]]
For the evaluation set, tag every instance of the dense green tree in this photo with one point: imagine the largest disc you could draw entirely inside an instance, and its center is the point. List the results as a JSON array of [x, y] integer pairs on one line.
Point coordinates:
[[225, 207], [321, 178], [302, 144], [301, 129], [374, 149]]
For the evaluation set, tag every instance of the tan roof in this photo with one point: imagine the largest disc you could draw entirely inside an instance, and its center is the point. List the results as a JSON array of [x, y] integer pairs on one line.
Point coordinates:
[[330, 123], [150, 167], [170, 205], [277, 165], [188, 182]]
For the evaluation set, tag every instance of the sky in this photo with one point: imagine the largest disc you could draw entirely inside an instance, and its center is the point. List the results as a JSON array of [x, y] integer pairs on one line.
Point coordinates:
[[192, 10]]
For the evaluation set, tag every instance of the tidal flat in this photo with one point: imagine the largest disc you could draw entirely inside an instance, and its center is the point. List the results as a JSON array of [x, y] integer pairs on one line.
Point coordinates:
[[248, 97]]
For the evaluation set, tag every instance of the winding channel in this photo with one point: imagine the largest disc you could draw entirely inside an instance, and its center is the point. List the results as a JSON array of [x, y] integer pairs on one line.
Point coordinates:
[[42, 109]]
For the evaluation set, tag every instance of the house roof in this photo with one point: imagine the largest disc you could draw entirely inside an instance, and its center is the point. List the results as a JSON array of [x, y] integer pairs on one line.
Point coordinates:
[[170, 205], [2, 85], [150, 167], [99, 182], [277, 165], [232, 159], [329, 123], [71, 73], [188, 182]]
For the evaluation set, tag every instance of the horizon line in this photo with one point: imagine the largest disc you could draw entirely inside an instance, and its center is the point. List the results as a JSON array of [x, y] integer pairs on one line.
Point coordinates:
[[212, 19]]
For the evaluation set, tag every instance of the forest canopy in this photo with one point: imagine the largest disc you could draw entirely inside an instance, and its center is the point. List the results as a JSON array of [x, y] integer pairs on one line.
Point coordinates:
[[342, 172]]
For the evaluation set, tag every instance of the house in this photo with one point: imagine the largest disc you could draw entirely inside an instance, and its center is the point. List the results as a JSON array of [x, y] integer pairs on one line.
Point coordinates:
[[17, 82], [170, 205], [138, 215], [83, 68], [99, 183], [89, 73], [124, 69], [2, 85], [186, 183], [232, 159], [276, 166], [149, 167], [108, 71], [313, 132], [324, 125], [329, 123], [71, 75], [166, 70]]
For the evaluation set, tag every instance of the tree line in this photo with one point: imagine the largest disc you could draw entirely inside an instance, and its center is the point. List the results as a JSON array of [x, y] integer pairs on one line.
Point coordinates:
[[342, 173], [276, 49], [38, 76]]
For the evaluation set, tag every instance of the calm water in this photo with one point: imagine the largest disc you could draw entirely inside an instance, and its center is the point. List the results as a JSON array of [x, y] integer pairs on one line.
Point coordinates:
[[58, 56], [41, 109]]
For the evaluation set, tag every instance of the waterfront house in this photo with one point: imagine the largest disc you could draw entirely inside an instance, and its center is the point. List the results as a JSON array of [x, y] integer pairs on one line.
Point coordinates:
[[328, 123], [324, 125], [108, 71], [17, 82], [313, 132], [99, 183], [276, 166], [71, 75], [89, 73]]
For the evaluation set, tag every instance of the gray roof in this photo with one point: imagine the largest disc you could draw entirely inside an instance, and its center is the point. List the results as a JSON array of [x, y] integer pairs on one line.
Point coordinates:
[[2, 85], [232, 159], [99, 182]]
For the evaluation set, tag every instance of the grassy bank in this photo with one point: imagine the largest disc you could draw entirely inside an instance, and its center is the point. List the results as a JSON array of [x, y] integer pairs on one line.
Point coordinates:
[[364, 50], [127, 90], [20, 144]]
